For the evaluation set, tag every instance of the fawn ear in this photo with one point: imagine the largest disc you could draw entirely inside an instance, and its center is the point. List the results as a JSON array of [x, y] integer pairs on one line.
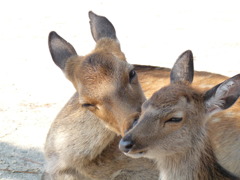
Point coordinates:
[[101, 27], [183, 70], [223, 95], [60, 49]]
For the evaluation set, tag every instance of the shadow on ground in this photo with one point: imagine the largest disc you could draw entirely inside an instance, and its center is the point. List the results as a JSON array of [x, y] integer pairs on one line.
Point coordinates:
[[18, 163]]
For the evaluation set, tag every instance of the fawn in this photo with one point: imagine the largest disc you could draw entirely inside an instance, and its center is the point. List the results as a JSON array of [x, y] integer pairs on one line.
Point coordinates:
[[83, 139], [172, 127]]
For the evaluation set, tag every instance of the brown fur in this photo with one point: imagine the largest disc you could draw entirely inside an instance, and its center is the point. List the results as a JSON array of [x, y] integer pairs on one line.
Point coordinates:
[[224, 135], [182, 150], [83, 140]]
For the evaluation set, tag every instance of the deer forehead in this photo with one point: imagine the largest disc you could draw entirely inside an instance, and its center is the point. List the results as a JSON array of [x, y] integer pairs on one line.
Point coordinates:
[[173, 101], [162, 113], [104, 65], [110, 45], [96, 73], [175, 94], [102, 75]]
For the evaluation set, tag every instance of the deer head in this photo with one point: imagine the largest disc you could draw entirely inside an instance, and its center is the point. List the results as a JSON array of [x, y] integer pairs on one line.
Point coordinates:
[[175, 116], [106, 84]]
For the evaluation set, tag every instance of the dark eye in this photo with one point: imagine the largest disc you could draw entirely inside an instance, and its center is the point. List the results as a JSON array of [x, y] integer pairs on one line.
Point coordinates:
[[133, 124], [174, 120], [86, 105], [132, 74]]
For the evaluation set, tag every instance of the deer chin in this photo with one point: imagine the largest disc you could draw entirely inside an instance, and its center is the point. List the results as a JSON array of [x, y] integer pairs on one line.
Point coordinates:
[[136, 154]]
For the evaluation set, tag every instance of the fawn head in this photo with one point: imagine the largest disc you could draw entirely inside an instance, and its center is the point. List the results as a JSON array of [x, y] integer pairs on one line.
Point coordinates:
[[106, 84], [175, 116]]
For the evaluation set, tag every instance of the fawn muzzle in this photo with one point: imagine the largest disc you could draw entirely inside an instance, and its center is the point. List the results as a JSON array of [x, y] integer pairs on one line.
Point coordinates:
[[126, 144]]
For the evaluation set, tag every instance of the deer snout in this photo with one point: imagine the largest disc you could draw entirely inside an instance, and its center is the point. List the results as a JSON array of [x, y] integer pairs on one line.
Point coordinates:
[[126, 144]]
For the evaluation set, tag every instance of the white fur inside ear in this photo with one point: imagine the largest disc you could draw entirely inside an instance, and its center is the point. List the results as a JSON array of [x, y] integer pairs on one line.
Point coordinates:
[[224, 88], [216, 102]]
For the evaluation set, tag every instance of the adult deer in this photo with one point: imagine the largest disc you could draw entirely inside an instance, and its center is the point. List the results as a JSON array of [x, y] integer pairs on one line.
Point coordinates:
[[82, 140], [83, 137], [172, 128]]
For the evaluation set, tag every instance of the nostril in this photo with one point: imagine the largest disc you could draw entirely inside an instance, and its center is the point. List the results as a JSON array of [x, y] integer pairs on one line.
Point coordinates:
[[129, 145], [125, 145]]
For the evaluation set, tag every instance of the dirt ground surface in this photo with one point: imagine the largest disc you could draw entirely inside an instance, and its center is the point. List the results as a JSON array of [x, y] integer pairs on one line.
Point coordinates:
[[33, 89]]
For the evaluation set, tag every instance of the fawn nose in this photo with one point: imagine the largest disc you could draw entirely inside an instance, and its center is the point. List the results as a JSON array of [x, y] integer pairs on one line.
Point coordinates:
[[126, 144]]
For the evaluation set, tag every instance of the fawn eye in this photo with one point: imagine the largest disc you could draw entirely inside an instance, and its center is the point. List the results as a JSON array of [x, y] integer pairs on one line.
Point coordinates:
[[174, 120], [132, 74]]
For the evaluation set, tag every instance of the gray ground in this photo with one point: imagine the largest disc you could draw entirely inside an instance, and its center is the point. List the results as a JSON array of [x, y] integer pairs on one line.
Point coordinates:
[[33, 89]]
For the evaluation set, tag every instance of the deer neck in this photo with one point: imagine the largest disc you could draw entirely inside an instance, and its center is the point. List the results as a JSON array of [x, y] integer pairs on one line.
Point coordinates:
[[98, 136], [90, 137], [197, 163]]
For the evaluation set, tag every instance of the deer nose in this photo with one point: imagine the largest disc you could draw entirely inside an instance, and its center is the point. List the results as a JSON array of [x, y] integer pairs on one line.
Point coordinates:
[[126, 144]]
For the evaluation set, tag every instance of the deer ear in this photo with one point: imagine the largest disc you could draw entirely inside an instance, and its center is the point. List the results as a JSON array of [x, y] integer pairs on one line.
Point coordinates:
[[60, 49], [223, 95], [101, 27], [183, 69]]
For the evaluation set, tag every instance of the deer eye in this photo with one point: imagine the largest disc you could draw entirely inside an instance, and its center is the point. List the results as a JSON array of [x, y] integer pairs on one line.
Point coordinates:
[[86, 105], [132, 74], [174, 120], [91, 107], [133, 124]]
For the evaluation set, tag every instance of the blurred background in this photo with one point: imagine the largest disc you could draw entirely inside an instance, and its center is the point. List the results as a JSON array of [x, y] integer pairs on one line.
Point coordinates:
[[33, 89]]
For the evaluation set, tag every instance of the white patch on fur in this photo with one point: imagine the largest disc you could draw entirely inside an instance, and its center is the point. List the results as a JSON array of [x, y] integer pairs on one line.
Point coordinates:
[[114, 175], [215, 120], [60, 139], [137, 155], [204, 86]]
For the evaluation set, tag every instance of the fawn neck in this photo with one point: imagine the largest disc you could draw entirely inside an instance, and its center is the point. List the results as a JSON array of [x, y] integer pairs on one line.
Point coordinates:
[[197, 163]]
